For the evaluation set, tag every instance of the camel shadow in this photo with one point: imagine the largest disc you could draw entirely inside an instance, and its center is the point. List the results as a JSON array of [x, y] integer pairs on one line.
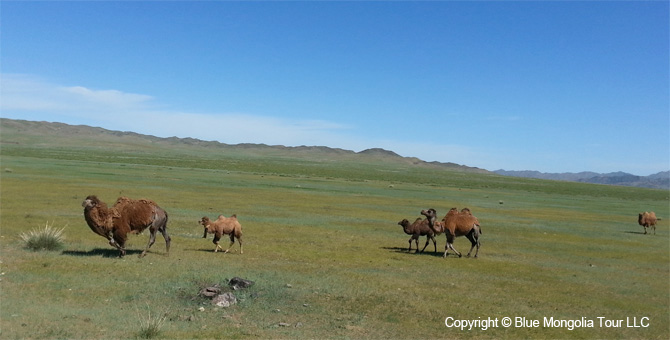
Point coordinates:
[[634, 232], [403, 250], [202, 250], [104, 252]]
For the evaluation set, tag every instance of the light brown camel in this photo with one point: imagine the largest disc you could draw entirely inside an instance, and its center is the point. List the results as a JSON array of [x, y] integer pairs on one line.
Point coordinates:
[[456, 224], [647, 220], [223, 226]]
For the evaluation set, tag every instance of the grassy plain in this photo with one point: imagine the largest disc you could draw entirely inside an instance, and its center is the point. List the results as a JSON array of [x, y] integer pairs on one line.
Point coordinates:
[[322, 243]]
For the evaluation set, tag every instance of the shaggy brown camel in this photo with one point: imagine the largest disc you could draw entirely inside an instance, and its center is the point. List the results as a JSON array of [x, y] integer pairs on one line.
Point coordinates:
[[126, 216], [223, 226], [456, 224]]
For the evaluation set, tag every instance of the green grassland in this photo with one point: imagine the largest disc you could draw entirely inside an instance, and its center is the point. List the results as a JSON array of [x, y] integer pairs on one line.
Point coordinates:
[[322, 243]]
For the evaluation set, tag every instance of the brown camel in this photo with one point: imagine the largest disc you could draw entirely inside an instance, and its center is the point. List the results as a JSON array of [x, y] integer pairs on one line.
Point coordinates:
[[456, 224], [126, 216]]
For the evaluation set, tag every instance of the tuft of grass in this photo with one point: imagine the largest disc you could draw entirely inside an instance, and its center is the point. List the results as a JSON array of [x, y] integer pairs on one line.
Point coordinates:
[[150, 326], [48, 238]]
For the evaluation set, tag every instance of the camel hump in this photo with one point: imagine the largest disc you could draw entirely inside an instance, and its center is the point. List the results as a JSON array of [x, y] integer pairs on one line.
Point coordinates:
[[146, 201]]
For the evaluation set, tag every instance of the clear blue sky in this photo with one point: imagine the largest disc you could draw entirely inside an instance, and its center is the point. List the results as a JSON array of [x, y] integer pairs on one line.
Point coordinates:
[[548, 86]]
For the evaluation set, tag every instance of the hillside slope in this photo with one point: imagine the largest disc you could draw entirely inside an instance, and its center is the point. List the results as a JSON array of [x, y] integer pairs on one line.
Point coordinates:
[[13, 129]]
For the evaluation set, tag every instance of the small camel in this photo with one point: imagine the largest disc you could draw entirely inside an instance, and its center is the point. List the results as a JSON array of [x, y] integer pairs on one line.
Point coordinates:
[[417, 229], [223, 226]]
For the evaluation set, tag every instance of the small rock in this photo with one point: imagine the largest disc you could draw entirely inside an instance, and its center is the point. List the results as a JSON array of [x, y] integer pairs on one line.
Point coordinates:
[[202, 309], [288, 285], [224, 300], [239, 283], [299, 324], [284, 324], [211, 291]]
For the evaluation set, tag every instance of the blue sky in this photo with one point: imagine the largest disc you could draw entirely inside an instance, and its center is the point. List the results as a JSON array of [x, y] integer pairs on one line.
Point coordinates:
[[548, 86]]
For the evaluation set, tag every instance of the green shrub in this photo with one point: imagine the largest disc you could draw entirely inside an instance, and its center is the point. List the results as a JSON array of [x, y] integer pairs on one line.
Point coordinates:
[[150, 326], [48, 238]]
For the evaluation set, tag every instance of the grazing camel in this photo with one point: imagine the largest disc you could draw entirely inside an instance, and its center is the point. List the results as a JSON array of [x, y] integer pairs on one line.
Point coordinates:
[[417, 229], [223, 226], [126, 216], [647, 219], [456, 224]]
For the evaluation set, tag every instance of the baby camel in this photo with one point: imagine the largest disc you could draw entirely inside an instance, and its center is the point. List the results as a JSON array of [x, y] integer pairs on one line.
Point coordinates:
[[418, 228], [223, 226]]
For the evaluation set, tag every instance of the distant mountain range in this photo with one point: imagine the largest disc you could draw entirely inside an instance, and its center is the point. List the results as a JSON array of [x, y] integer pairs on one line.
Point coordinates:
[[660, 180]]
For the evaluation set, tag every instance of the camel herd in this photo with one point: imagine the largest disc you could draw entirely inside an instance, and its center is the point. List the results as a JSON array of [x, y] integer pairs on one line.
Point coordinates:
[[134, 216], [455, 223]]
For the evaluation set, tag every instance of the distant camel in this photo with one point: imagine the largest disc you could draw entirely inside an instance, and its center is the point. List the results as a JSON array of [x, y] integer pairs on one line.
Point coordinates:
[[647, 219], [126, 216]]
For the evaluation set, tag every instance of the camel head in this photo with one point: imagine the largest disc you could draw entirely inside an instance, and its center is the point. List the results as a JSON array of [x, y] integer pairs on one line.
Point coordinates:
[[431, 214], [404, 223], [206, 223], [90, 202]]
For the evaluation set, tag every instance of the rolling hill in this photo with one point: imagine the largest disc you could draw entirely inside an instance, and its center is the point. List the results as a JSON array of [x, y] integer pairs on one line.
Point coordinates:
[[44, 131]]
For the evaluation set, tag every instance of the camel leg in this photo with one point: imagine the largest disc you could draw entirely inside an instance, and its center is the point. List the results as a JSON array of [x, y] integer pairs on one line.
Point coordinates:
[[239, 240], [410, 245], [450, 245], [122, 252], [434, 243], [473, 236], [160, 221], [474, 243], [152, 239], [232, 241], [118, 240], [217, 237], [167, 240], [426, 245]]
